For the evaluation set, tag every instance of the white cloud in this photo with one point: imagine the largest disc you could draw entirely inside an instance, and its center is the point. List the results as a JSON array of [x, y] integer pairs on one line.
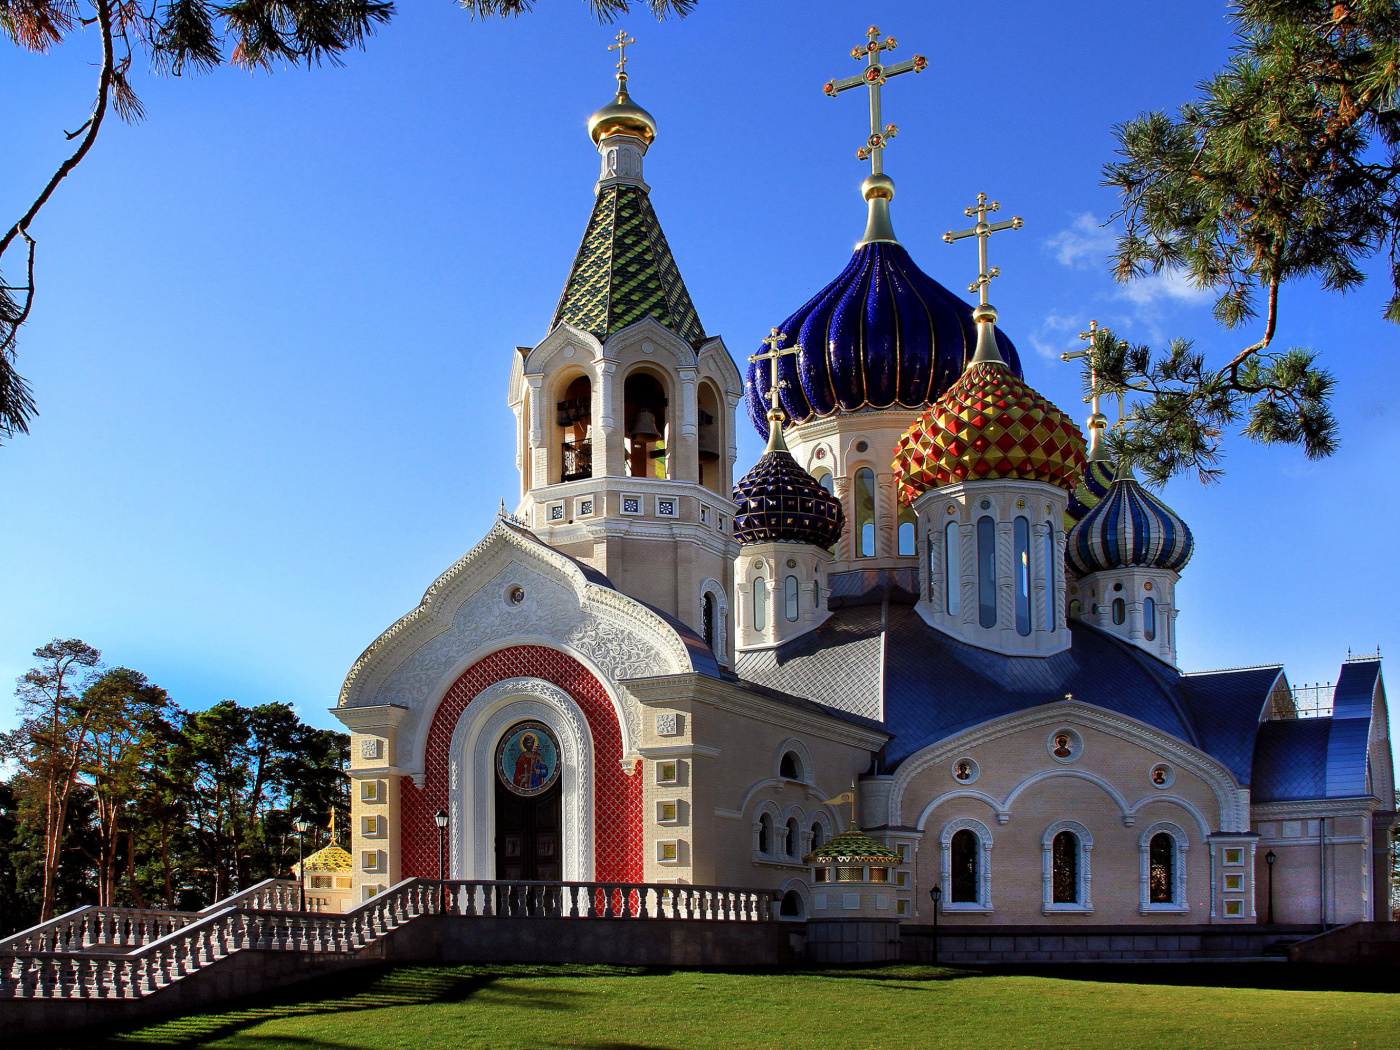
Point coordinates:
[[1085, 243], [1169, 284]]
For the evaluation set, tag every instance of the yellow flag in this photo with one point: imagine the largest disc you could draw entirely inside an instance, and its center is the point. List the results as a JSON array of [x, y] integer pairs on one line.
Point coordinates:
[[845, 796]]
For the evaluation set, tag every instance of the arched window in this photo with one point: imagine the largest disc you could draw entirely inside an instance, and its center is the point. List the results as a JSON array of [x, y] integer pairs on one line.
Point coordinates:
[[906, 530], [760, 604], [791, 908], [952, 572], [1075, 608], [823, 477], [1064, 871], [1120, 611], [817, 594], [790, 599], [963, 867], [986, 572], [818, 835], [1050, 599], [1149, 619], [790, 768], [707, 620], [644, 412], [711, 438], [794, 838], [574, 415], [865, 513], [765, 833], [1021, 539], [1161, 878]]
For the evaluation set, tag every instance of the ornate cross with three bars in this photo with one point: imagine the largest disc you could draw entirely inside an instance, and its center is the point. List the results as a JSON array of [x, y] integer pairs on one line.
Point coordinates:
[[874, 76], [982, 231], [621, 48], [773, 355]]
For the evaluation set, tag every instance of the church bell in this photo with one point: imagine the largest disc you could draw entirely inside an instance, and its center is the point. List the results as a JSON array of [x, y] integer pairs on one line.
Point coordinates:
[[644, 427]]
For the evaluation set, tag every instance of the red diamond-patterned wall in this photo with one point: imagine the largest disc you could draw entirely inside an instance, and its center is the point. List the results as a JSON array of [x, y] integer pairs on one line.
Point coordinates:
[[617, 797]]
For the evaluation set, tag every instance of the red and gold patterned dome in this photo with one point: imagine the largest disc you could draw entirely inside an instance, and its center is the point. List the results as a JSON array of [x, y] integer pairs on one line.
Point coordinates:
[[989, 424]]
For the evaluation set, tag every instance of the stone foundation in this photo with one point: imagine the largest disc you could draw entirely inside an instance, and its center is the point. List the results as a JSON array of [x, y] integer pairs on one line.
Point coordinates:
[[837, 941]]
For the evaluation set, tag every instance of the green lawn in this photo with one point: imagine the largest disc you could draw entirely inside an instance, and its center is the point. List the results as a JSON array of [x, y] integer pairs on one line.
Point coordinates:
[[1078, 1008]]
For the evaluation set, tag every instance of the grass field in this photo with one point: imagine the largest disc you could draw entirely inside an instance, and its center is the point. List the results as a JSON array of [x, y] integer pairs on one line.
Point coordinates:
[[602, 1008]]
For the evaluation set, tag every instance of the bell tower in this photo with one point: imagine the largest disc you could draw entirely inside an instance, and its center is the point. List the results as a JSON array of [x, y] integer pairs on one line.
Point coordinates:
[[625, 410]]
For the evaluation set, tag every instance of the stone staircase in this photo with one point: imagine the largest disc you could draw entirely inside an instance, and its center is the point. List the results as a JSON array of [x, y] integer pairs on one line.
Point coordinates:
[[101, 964]]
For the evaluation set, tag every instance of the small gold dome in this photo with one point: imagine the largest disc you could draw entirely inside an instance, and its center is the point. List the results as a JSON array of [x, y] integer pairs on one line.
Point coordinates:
[[622, 116]]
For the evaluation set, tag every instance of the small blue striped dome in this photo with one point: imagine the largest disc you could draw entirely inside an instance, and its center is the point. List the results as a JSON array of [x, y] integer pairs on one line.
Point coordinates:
[[1129, 527], [882, 334], [1093, 486], [779, 501]]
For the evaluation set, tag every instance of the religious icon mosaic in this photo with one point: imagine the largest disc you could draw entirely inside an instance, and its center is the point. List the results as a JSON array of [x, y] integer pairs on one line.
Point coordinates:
[[527, 759]]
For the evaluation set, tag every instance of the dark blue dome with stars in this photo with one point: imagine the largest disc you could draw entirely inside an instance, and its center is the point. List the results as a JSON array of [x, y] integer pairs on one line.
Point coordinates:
[[778, 501], [883, 334]]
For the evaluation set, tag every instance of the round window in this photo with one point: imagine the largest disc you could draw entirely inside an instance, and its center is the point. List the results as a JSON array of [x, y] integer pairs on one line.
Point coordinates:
[[862, 446], [986, 504]]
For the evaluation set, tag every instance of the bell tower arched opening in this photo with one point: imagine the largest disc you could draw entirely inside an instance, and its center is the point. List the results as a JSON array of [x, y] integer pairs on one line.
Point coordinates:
[[710, 446], [574, 417], [644, 408]]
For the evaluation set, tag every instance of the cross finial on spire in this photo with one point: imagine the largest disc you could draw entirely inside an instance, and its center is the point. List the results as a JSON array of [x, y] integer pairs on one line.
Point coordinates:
[[982, 231], [873, 77], [774, 354], [623, 40], [1097, 420]]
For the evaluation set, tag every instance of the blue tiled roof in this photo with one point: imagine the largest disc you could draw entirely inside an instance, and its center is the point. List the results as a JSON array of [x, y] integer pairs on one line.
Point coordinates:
[[1226, 707]]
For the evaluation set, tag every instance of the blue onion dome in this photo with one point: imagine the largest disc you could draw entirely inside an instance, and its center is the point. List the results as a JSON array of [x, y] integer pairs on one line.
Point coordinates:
[[1129, 527], [779, 501], [883, 334], [1093, 486]]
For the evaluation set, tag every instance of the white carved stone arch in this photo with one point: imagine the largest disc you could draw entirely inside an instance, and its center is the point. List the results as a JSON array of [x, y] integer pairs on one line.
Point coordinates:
[[1085, 904], [716, 589], [993, 804], [829, 824], [668, 350], [1180, 903], [1232, 800], [1173, 800], [984, 866], [775, 815], [472, 775], [799, 887], [562, 337], [805, 768], [1071, 774], [465, 615]]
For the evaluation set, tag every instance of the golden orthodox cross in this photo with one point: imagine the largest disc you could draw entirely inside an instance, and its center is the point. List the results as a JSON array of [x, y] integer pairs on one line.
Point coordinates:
[[1074, 355], [873, 77], [621, 48], [982, 231], [773, 355]]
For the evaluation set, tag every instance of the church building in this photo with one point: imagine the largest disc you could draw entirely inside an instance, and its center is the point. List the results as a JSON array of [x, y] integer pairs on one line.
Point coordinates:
[[930, 610]]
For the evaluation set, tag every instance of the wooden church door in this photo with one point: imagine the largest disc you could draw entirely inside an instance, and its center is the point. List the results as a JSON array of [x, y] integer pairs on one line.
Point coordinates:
[[527, 835]]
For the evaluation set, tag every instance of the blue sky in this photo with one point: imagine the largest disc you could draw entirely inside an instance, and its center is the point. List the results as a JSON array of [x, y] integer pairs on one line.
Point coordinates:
[[275, 320]]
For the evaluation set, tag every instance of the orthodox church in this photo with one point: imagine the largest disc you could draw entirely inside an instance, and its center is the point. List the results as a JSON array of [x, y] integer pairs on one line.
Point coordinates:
[[931, 620]]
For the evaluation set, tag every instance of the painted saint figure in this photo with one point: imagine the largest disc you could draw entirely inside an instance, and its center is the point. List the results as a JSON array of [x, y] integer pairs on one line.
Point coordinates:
[[531, 770]]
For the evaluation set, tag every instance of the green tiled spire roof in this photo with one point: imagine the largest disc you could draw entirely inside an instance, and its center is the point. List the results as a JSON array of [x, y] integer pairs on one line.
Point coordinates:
[[624, 271]]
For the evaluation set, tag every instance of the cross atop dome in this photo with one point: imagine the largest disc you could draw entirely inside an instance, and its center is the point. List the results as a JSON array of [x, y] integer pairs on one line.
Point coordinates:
[[985, 313], [774, 355]]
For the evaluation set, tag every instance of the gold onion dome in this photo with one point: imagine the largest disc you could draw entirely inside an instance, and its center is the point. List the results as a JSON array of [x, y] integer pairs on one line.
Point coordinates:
[[852, 846], [622, 116], [989, 424], [332, 858]]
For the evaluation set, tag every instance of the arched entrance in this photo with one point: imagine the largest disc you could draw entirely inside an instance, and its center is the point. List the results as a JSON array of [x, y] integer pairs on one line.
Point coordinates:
[[529, 793]]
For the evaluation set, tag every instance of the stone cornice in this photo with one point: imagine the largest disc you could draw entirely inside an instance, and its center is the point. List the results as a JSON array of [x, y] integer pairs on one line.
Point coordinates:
[[1313, 808], [378, 716]]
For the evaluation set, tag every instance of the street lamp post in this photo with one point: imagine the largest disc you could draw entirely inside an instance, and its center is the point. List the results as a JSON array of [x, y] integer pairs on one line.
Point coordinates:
[[302, 828], [440, 818], [1269, 859], [937, 894]]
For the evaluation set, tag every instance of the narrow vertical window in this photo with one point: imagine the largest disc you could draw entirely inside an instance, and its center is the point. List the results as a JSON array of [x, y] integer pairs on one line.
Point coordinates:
[[906, 530], [707, 620], [1051, 589], [794, 838], [1064, 870], [765, 834], [952, 568], [1120, 611], [760, 604], [1149, 619], [986, 572], [817, 595], [962, 862], [1161, 859], [1021, 539], [865, 513], [818, 836], [790, 598]]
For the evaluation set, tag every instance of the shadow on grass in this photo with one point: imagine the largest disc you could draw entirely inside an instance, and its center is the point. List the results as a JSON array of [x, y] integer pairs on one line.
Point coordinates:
[[1292, 977], [372, 988]]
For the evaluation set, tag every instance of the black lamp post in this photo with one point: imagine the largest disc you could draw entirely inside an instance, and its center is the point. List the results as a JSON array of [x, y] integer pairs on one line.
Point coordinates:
[[937, 894], [1269, 859], [302, 828], [440, 818]]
